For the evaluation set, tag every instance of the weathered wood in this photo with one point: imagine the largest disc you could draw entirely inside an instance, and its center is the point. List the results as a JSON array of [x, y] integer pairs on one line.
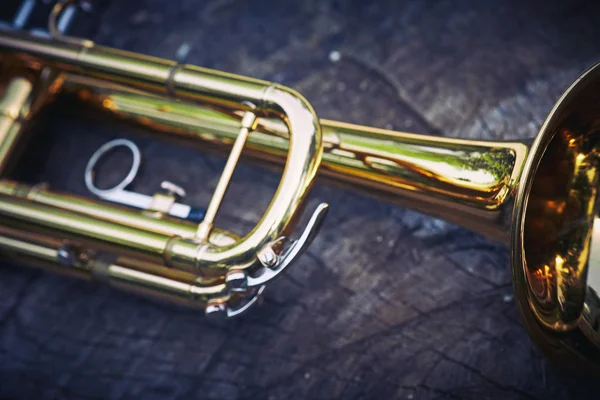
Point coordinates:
[[388, 303]]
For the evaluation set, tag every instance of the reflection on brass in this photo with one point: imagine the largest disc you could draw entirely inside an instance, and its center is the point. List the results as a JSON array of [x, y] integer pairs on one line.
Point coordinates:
[[150, 237], [539, 199]]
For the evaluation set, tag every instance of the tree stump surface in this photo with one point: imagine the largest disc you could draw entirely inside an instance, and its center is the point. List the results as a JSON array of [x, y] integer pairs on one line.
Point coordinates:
[[387, 302]]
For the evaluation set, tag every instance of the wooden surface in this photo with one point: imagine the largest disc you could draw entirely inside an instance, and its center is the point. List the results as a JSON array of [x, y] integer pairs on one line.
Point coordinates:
[[388, 303]]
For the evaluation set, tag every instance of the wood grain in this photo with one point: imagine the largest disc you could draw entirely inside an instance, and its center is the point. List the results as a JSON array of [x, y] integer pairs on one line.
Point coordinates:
[[388, 303]]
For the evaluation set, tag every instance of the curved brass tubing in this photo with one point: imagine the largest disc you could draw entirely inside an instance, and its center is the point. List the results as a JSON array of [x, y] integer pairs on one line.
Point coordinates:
[[539, 199], [245, 264], [219, 89]]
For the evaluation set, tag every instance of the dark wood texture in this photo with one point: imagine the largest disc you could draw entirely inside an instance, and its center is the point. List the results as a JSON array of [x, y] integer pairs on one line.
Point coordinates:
[[388, 303]]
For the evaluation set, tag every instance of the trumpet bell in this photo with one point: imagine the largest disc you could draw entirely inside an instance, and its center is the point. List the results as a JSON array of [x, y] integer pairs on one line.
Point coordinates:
[[555, 243]]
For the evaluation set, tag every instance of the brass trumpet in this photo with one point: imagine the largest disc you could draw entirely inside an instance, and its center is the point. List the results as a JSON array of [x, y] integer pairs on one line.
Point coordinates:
[[539, 198]]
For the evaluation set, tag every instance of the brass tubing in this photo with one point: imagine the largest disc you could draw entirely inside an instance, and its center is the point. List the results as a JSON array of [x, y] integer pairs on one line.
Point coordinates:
[[467, 182], [169, 250], [148, 279], [145, 242], [206, 226], [219, 89], [14, 105], [111, 212]]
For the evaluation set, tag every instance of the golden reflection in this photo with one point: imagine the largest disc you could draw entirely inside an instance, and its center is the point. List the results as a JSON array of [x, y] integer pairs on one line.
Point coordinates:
[[558, 227]]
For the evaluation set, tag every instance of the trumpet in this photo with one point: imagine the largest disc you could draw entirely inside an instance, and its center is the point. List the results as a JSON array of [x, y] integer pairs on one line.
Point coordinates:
[[538, 198]]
